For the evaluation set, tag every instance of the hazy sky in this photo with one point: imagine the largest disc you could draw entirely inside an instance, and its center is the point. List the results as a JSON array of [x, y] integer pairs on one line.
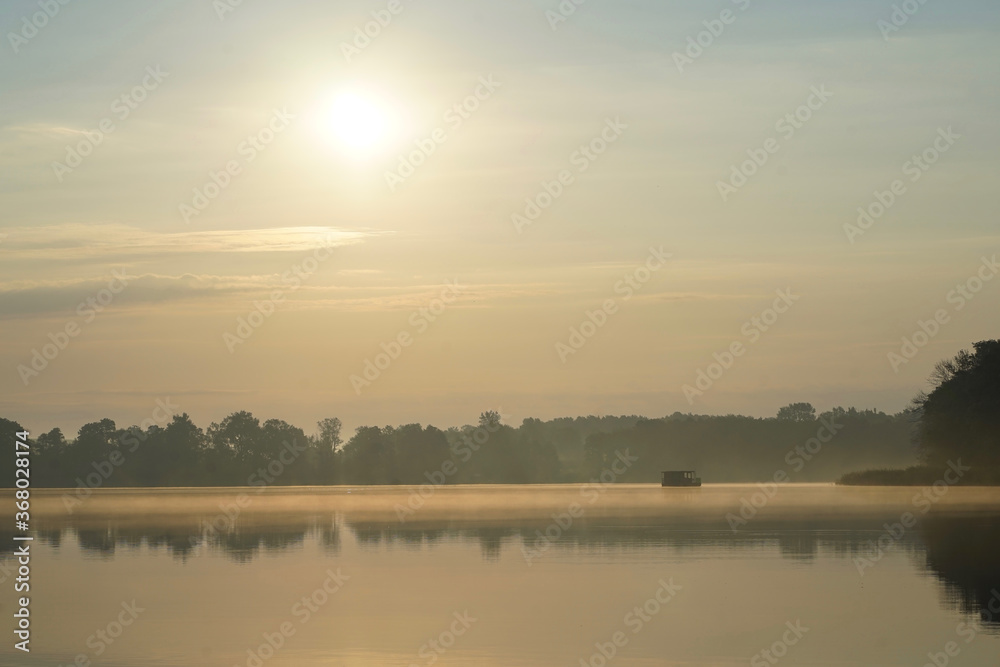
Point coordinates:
[[115, 113]]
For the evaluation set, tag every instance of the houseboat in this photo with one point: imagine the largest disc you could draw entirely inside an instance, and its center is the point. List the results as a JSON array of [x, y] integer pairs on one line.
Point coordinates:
[[679, 478]]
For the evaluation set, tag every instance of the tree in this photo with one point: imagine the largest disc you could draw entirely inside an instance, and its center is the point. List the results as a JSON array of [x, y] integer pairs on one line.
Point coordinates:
[[8, 435], [323, 452], [186, 444], [96, 440], [490, 419], [329, 434], [51, 465], [239, 434], [51, 443], [798, 412], [366, 456], [960, 417]]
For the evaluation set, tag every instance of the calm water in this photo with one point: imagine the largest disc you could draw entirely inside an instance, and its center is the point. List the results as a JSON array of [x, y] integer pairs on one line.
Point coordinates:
[[466, 579]]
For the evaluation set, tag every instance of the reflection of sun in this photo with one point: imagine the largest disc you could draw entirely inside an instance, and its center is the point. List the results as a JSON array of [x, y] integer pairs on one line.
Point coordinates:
[[360, 124]]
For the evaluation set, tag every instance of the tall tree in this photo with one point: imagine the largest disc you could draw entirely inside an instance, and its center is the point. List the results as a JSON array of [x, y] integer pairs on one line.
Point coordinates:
[[960, 417], [798, 412]]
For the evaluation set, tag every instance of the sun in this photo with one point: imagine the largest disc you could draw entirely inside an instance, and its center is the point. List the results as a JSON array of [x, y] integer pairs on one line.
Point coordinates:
[[359, 123]]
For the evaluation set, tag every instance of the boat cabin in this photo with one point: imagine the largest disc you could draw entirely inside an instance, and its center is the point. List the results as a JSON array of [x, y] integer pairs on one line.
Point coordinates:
[[679, 478]]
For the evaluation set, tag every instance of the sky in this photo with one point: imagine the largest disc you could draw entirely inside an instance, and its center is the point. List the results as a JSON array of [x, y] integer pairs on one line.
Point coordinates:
[[538, 208]]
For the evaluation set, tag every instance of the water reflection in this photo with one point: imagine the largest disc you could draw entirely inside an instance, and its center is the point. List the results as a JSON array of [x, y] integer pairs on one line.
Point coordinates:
[[246, 540], [242, 544], [959, 550], [964, 553]]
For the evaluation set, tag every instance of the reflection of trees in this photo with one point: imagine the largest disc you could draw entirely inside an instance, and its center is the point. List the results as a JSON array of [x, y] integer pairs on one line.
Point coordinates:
[[97, 542], [960, 551], [491, 540], [242, 544], [376, 533], [51, 537], [329, 536], [175, 542], [798, 545], [794, 540], [964, 553]]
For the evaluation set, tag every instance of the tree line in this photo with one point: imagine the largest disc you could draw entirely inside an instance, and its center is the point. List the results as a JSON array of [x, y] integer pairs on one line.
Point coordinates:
[[959, 423], [242, 450], [959, 418]]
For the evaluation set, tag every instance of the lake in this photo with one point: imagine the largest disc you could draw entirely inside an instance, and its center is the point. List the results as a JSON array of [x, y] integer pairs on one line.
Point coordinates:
[[513, 575]]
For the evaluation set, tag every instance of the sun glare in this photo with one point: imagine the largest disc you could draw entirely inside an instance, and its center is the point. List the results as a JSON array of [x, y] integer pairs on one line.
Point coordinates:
[[360, 124]]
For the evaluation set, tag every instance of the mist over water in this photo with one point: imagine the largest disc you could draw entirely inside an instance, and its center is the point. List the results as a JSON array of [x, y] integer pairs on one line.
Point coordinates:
[[549, 574]]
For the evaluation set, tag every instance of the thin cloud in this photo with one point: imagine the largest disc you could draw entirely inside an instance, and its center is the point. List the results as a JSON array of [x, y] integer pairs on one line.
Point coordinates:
[[75, 242]]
